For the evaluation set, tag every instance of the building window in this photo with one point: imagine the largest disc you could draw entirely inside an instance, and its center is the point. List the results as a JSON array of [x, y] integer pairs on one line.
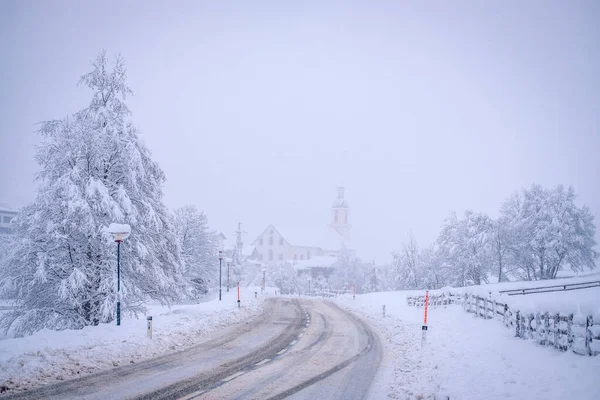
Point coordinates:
[[281, 241], [302, 256], [295, 256], [308, 255], [7, 219], [260, 257], [270, 255], [346, 219], [336, 218], [281, 257], [260, 241], [270, 240]]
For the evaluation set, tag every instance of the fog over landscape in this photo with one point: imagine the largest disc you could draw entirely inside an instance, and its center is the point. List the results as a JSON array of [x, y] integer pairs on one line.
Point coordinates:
[[256, 113]]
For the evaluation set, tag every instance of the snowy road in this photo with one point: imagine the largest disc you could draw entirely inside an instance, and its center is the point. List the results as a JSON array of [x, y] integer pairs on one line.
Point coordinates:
[[297, 349]]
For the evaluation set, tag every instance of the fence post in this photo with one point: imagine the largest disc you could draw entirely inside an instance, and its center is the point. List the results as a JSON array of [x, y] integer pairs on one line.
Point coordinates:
[[588, 334], [495, 308], [537, 328], [484, 308], [530, 328], [477, 306], [518, 324], [546, 328], [506, 321], [556, 331], [570, 332], [149, 327]]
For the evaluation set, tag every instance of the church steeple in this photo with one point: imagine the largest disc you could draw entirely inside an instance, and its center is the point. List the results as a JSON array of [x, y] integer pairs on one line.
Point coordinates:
[[340, 214]]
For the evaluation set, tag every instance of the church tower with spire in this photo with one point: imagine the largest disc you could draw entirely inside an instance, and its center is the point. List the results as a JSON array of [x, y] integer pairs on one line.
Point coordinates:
[[339, 214]]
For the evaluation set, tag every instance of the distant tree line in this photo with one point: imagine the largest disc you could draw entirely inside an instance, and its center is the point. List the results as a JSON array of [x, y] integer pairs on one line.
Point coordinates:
[[539, 232]]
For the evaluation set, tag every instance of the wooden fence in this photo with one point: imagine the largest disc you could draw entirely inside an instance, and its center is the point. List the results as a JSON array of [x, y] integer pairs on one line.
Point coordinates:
[[551, 288], [577, 333], [437, 300]]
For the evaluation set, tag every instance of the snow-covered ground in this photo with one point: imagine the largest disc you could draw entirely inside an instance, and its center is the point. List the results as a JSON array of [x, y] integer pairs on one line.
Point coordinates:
[[48, 356], [469, 358]]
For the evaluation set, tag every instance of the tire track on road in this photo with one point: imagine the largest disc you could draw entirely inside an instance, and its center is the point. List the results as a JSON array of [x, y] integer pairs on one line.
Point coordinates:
[[208, 381], [371, 341]]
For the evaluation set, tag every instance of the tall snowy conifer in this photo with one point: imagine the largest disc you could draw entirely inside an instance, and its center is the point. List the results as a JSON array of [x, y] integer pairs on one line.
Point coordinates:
[[94, 171]]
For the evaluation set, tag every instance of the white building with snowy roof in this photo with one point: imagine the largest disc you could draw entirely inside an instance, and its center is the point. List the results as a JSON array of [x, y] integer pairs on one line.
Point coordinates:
[[277, 244], [316, 266], [6, 216]]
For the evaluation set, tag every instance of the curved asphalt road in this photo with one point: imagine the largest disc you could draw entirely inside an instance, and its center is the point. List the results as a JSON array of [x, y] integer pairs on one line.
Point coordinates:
[[296, 349]]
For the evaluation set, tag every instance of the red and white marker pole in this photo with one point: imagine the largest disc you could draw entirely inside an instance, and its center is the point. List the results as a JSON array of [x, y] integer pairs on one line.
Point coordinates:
[[239, 295], [424, 327], [354, 293]]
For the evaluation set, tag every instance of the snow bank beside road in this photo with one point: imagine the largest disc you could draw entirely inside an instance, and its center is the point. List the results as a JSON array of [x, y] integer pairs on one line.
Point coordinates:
[[469, 358], [48, 356]]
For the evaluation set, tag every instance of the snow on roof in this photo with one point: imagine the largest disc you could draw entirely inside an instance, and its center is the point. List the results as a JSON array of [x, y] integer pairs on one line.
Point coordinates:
[[325, 238], [320, 261], [7, 209]]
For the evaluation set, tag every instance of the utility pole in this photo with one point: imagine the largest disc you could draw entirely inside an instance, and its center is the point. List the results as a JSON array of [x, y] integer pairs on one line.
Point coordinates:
[[220, 264], [238, 253]]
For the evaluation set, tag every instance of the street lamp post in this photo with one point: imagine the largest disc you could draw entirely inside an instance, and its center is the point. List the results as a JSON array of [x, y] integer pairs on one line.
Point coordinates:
[[119, 232], [228, 276], [264, 282], [220, 264], [309, 286]]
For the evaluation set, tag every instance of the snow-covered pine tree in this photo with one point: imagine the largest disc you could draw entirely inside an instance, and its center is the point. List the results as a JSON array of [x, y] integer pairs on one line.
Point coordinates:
[[94, 171], [198, 247]]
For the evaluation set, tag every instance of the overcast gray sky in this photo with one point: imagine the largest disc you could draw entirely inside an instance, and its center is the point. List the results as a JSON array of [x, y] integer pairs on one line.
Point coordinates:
[[256, 111]]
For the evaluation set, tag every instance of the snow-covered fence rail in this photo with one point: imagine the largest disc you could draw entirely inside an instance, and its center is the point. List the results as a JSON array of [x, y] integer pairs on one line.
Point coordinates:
[[578, 333], [552, 288], [434, 300]]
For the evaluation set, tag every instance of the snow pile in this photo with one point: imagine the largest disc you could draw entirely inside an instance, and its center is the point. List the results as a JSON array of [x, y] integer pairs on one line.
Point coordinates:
[[47, 356], [469, 358]]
